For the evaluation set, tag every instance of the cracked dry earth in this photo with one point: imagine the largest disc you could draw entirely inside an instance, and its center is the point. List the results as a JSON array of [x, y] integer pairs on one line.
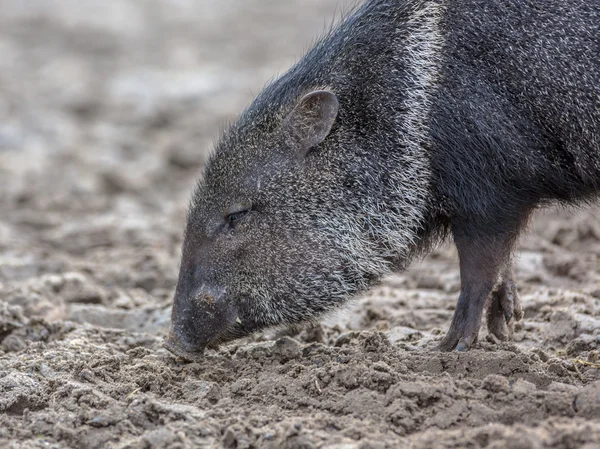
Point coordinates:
[[107, 112]]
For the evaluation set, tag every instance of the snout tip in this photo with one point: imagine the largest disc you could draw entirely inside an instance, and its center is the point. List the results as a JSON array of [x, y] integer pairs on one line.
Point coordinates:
[[174, 348]]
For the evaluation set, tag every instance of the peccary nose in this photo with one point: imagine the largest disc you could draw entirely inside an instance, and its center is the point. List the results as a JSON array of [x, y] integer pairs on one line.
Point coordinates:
[[175, 346], [197, 321]]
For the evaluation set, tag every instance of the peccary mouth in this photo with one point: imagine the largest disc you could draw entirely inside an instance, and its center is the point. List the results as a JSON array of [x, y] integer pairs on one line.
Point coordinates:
[[177, 350]]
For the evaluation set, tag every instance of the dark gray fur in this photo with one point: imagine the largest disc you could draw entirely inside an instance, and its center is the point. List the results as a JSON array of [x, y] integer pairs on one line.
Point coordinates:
[[431, 118]]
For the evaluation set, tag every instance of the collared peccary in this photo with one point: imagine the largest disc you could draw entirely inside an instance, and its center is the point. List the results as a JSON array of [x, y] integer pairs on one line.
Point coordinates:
[[408, 122]]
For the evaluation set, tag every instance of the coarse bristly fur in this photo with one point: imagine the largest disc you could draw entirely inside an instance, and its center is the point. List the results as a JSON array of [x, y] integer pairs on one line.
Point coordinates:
[[407, 121]]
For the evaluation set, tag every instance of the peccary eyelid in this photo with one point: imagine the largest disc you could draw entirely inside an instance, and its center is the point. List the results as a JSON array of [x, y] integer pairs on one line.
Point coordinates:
[[236, 215], [237, 212]]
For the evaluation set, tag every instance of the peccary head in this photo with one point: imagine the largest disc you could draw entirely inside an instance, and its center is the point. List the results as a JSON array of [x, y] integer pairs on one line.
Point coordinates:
[[254, 254], [277, 230]]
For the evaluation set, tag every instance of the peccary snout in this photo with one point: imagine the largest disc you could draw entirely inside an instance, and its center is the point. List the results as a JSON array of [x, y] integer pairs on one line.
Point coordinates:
[[198, 319]]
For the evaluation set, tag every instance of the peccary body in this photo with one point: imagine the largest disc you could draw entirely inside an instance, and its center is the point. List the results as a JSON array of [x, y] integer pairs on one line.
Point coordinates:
[[408, 122]]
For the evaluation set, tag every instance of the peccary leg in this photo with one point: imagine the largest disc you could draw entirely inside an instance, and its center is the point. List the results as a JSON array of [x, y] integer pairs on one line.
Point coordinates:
[[481, 261], [504, 308]]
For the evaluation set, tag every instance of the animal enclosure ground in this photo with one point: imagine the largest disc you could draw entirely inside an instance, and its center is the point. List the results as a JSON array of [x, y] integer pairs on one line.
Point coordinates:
[[107, 112]]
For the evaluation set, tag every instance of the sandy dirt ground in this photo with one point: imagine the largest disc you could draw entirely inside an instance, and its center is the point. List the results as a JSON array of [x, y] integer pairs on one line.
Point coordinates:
[[108, 109]]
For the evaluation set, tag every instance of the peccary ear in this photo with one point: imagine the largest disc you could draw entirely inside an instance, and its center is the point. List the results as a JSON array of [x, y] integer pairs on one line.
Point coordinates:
[[311, 119]]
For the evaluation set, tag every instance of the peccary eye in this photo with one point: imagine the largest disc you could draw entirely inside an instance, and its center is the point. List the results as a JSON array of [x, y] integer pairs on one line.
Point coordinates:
[[236, 215]]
